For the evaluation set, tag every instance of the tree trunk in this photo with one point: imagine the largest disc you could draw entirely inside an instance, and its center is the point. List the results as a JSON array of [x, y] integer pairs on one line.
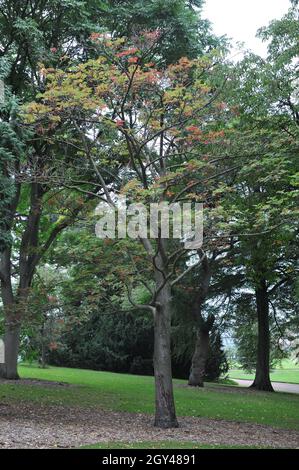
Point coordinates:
[[9, 370], [199, 359], [165, 416], [165, 408], [202, 344], [43, 361], [262, 376]]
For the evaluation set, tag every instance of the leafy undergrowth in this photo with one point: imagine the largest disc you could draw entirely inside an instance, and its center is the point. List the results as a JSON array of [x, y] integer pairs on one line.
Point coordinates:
[[132, 393]]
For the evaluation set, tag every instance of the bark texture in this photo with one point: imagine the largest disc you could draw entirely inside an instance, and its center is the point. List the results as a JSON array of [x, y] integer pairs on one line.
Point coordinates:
[[9, 370], [199, 359], [262, 376], [202, 344], [165, 416]]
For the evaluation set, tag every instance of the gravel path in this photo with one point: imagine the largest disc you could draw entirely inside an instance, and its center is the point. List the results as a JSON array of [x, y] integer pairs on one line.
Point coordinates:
[[24, 425], [278, 386]]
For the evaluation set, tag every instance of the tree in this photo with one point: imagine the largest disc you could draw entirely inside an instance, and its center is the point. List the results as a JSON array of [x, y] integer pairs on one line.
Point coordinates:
[[265, 188], [31, 32], [149, 117], [56, 32], [211, 361]]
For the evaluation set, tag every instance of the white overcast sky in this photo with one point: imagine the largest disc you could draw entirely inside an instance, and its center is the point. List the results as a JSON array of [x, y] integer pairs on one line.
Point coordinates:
[[240, 19]]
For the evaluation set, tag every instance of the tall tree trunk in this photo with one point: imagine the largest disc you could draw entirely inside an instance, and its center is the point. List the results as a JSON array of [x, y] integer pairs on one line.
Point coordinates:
[[15, 304], [42, 359], [199, 359], [13, 311], [262, 376], [9, 370], [202, 344], [165, 416], [14, 308]]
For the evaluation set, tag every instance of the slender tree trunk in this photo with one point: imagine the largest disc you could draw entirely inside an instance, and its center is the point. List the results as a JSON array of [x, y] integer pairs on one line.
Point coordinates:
[[262, 376], [165, 416], [43, 360], [199, 359]]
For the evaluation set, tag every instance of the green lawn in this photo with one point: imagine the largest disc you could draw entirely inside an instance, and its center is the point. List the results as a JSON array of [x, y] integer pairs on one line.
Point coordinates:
[[133, 393], [288, 371]]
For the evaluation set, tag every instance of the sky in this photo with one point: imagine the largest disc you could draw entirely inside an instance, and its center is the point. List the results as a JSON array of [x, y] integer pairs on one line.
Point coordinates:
[[240, 19]]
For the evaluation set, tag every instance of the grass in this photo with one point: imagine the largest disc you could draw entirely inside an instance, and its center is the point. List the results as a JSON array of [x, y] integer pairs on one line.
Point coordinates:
[[160, 445], [287, 372], [121, 392]]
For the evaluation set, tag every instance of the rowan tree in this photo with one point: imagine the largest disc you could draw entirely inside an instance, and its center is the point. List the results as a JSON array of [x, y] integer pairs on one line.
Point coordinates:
[[148, 120]]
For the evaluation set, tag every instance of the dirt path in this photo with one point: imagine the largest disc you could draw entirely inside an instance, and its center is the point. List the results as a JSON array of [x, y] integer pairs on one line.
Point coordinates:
[[24, 425], [278, 386]]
